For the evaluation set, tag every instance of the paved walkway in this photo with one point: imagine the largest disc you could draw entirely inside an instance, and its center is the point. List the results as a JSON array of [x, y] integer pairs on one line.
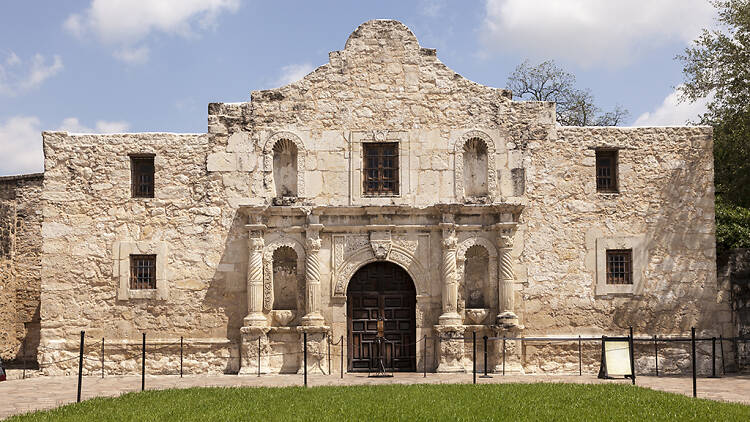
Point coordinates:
[[21, 396]]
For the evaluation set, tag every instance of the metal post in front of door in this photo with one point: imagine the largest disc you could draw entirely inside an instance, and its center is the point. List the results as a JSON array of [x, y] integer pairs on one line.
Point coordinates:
[[474, 355], [485, 359], [342, 357], [424, 355], [304, 355]]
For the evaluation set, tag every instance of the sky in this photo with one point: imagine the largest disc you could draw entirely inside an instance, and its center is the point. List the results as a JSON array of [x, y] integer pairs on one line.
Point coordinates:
[[110, 66]]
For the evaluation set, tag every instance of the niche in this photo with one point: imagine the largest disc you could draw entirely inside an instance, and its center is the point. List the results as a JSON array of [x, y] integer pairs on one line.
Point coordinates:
[[475, 168], [476, 277], [285, 168], [285, 279]]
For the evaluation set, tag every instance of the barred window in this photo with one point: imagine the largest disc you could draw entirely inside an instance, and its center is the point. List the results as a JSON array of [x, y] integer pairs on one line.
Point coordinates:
[[142, 271], [619, 266], [381, 168], [142, 176], [606, 171]]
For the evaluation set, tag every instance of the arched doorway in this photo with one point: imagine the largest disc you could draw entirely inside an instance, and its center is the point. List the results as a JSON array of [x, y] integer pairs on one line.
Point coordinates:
[[381, 290]]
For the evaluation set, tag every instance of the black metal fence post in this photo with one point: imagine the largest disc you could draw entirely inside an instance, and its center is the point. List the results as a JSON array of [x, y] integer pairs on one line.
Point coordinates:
[[692, 342], [424, 356], [580, 358], [721, 348], [342, 357], [258, 355], [656, 356], [23, 355], [80, 367], [329, 355], [713, 357], [305, 355], [102, 357], [474, 356], [632, 354], [503, 354], [485, 359], [143, 363], [180, 356]]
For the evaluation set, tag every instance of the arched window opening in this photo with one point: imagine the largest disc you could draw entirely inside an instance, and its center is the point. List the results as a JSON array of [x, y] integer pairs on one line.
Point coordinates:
[[475, 168], [285, 168], [285, 280]]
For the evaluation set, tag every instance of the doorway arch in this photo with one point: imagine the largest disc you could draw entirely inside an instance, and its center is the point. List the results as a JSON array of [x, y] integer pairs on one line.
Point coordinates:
[[381, 290]]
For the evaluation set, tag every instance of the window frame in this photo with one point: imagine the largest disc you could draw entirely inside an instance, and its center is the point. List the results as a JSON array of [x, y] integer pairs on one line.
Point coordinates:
[[136, 172], [613, 167], [122, 250], [639, 259], [139, 280], [380, 169]]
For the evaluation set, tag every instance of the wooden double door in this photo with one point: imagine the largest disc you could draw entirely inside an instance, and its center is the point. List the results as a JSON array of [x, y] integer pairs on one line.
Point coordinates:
[[381, 290]]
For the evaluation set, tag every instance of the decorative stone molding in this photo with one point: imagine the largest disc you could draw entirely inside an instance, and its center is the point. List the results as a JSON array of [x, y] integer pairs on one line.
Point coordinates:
[[381, 244], [255, 244], [121, 254], [638, 245], [449, 278], [268, 159], [458, 149], [276, 241], [312, 276], [402, 257]]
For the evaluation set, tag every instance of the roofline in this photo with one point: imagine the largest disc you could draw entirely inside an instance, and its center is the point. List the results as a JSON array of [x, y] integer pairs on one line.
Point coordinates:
[[29, 176]]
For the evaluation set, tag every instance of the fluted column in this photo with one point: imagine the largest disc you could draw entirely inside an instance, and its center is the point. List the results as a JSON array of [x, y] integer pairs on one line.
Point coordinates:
[[450, 314], [255, 315], [506, 299], [312, 276]]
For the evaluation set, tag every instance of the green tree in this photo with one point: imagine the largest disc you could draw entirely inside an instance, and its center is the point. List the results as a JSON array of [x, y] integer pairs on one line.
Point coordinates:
[[717, 67], [549, 82]]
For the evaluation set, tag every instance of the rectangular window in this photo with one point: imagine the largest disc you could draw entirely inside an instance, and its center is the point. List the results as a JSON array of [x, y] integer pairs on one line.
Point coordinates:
[[606, 171], [142, 272], [142, 176], [619, 266], [380, 168]]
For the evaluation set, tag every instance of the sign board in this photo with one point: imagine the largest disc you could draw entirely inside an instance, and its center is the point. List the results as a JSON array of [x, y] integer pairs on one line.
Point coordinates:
[[616, 358]]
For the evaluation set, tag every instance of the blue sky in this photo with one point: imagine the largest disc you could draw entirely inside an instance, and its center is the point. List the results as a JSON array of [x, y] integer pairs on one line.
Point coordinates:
[[154, 65]]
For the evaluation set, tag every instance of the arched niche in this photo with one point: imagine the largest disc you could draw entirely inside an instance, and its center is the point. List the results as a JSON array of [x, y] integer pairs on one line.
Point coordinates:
[[269, 269], [472, 254], [284, 165], [474, 157]]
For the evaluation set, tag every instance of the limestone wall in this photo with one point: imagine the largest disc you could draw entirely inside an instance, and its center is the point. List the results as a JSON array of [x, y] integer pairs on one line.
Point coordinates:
[[20, 266]]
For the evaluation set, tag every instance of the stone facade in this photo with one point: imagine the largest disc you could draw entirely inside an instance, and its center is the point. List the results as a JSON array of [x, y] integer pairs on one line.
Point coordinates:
[[20, 266], [259, 225]]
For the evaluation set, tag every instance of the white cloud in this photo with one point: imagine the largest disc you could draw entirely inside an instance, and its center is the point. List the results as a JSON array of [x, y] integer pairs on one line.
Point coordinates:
[[21, 143], [73, 125], [127, 24], [17, 76], [591, 32], [672, 112], [432, 8], [294, 72]]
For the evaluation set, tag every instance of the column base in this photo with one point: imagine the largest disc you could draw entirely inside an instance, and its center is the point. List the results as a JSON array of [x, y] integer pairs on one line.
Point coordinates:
[[313, 319], [512, 350], [507, 320], [450, 348], [249, 349], [450, 319], [255, 319], [317, 349]]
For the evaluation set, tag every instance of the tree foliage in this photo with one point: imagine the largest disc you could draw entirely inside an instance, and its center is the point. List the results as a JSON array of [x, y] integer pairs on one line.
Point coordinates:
[[549, 82], [717, 66]]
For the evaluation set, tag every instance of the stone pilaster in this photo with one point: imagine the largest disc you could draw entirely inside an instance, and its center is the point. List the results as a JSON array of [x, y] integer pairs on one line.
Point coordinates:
[[506, 300], [317, 349], [450, 314], [512, 351], [251, 347], [312, 277], [255, 315], [450, 350]]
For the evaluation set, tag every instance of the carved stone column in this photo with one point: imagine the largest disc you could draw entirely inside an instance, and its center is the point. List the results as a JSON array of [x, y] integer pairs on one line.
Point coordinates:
[[450, 314], [312, 277], [255, 315], [506, 300]]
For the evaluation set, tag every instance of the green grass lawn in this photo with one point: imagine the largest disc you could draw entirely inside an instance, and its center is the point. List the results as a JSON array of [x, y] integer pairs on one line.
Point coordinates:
[[515, 402]]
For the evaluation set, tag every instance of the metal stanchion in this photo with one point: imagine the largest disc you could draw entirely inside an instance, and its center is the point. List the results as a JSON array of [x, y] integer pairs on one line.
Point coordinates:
[[656, 356], [143, 363], [102, 357], [180, 356], [23, 354], [424, 356], [721, 347], [580, 358], [80, 367], [692, 341], [305, 355], [503, 354], [342, 357], [258, 355], [474, 355], [329, 355], [632, 354], [713, 358], [485, 359]]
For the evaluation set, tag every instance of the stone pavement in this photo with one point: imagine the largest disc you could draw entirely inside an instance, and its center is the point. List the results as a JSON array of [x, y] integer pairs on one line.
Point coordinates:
[[40, 392]]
